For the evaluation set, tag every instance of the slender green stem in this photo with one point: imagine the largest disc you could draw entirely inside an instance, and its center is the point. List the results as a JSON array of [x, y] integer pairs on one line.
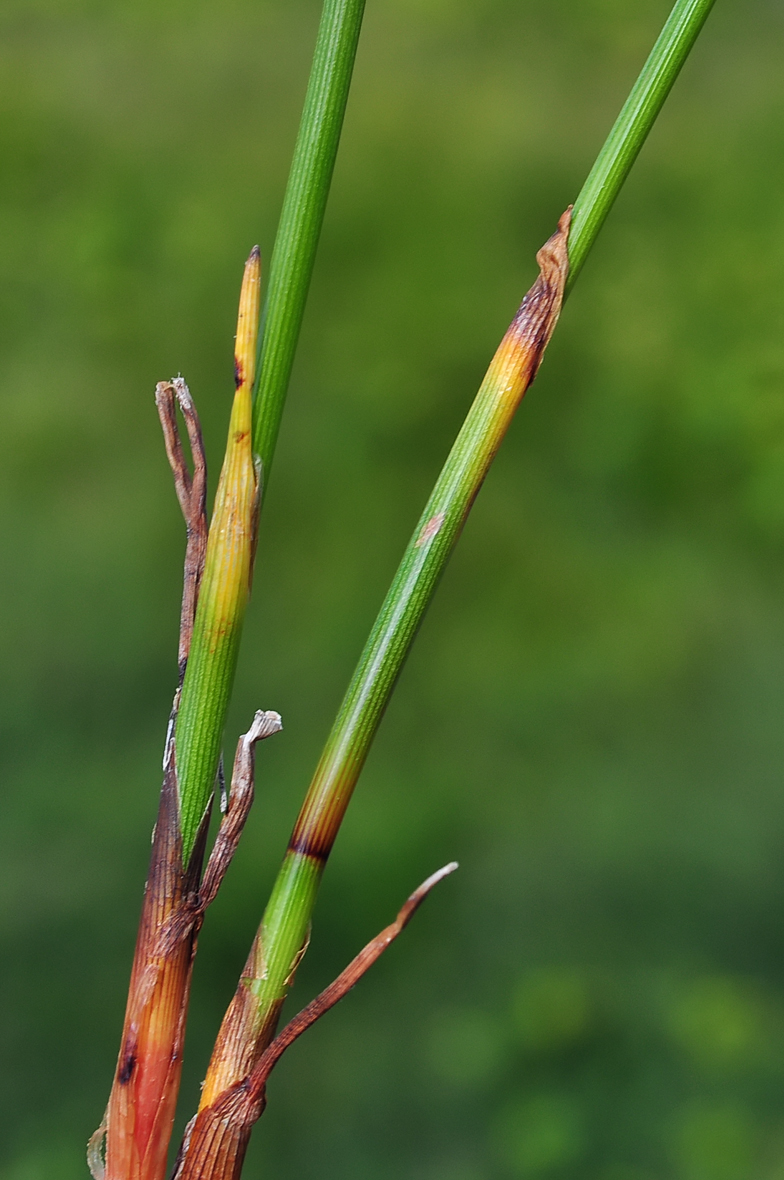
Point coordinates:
[[210, 672], [302, 215], [286, 919], [631, 128], [225, 585]]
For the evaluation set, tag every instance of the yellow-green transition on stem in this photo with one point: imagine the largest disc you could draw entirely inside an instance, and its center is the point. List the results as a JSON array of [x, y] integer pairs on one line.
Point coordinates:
[[141, 1109], [149, 1059], [221, 1128], [142, 1102], [225, 585], [216, 1147]]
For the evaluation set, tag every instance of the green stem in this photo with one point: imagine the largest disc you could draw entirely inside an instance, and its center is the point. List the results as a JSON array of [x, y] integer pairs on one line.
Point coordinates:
[[286, 919], [302, 215], [210, 672], [631, 128]]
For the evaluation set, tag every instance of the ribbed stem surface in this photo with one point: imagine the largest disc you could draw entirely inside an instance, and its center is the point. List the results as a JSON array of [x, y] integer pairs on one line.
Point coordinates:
[[287, 917], [631, 128], [225, 586], [302, 214]]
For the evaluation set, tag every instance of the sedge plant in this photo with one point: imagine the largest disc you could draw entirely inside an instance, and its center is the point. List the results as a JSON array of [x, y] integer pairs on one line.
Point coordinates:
[[218, 571], [217, 583]]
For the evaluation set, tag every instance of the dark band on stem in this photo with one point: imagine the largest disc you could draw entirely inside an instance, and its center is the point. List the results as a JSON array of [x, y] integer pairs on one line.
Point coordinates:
[[311, 847]]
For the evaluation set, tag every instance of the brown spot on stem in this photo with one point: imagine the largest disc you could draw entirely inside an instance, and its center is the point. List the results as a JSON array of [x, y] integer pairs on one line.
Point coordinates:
[[239, 375], [127, 1066]]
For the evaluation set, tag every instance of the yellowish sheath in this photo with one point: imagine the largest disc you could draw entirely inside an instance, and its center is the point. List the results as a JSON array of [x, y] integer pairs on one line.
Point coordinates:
[[143, 1098], [225, 585]]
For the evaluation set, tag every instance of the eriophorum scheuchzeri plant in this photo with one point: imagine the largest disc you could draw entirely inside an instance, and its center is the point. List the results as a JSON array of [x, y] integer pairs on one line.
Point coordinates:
[[133, 1141]]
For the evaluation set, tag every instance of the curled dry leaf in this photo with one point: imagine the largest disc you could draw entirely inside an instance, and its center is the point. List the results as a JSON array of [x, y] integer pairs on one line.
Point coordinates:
[[216, 1139], [141, 1105]]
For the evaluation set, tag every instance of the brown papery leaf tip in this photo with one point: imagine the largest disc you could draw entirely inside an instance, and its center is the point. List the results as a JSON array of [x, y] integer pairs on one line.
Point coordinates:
[[419, 895], [534, 324], [553, 258], [254, 254], [434, 878], [264, 725], [215, 1141]]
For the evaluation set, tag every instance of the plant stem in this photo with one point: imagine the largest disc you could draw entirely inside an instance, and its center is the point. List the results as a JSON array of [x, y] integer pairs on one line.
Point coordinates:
[[217, 630], [249, 1024], [631, 128], [144, 1093], [302, 215], [286, 919], [225, 586], [217, 1139]]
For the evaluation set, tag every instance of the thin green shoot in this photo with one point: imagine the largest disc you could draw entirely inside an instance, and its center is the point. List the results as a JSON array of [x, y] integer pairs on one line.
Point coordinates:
[[631, 128], [302, 215], [210, 674], [286, 920]]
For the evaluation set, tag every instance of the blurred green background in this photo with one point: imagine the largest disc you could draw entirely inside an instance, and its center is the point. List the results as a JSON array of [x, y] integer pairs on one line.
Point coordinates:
[[591, 720]]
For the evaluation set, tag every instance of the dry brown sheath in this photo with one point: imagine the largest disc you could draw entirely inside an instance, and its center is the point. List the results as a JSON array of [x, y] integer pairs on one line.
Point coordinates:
[[138, 1121], [191, 493], [216, 1139], [141, 1105]]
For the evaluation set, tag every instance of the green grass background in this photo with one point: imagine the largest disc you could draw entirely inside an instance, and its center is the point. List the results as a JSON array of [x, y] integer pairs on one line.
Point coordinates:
[[591, 722]]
